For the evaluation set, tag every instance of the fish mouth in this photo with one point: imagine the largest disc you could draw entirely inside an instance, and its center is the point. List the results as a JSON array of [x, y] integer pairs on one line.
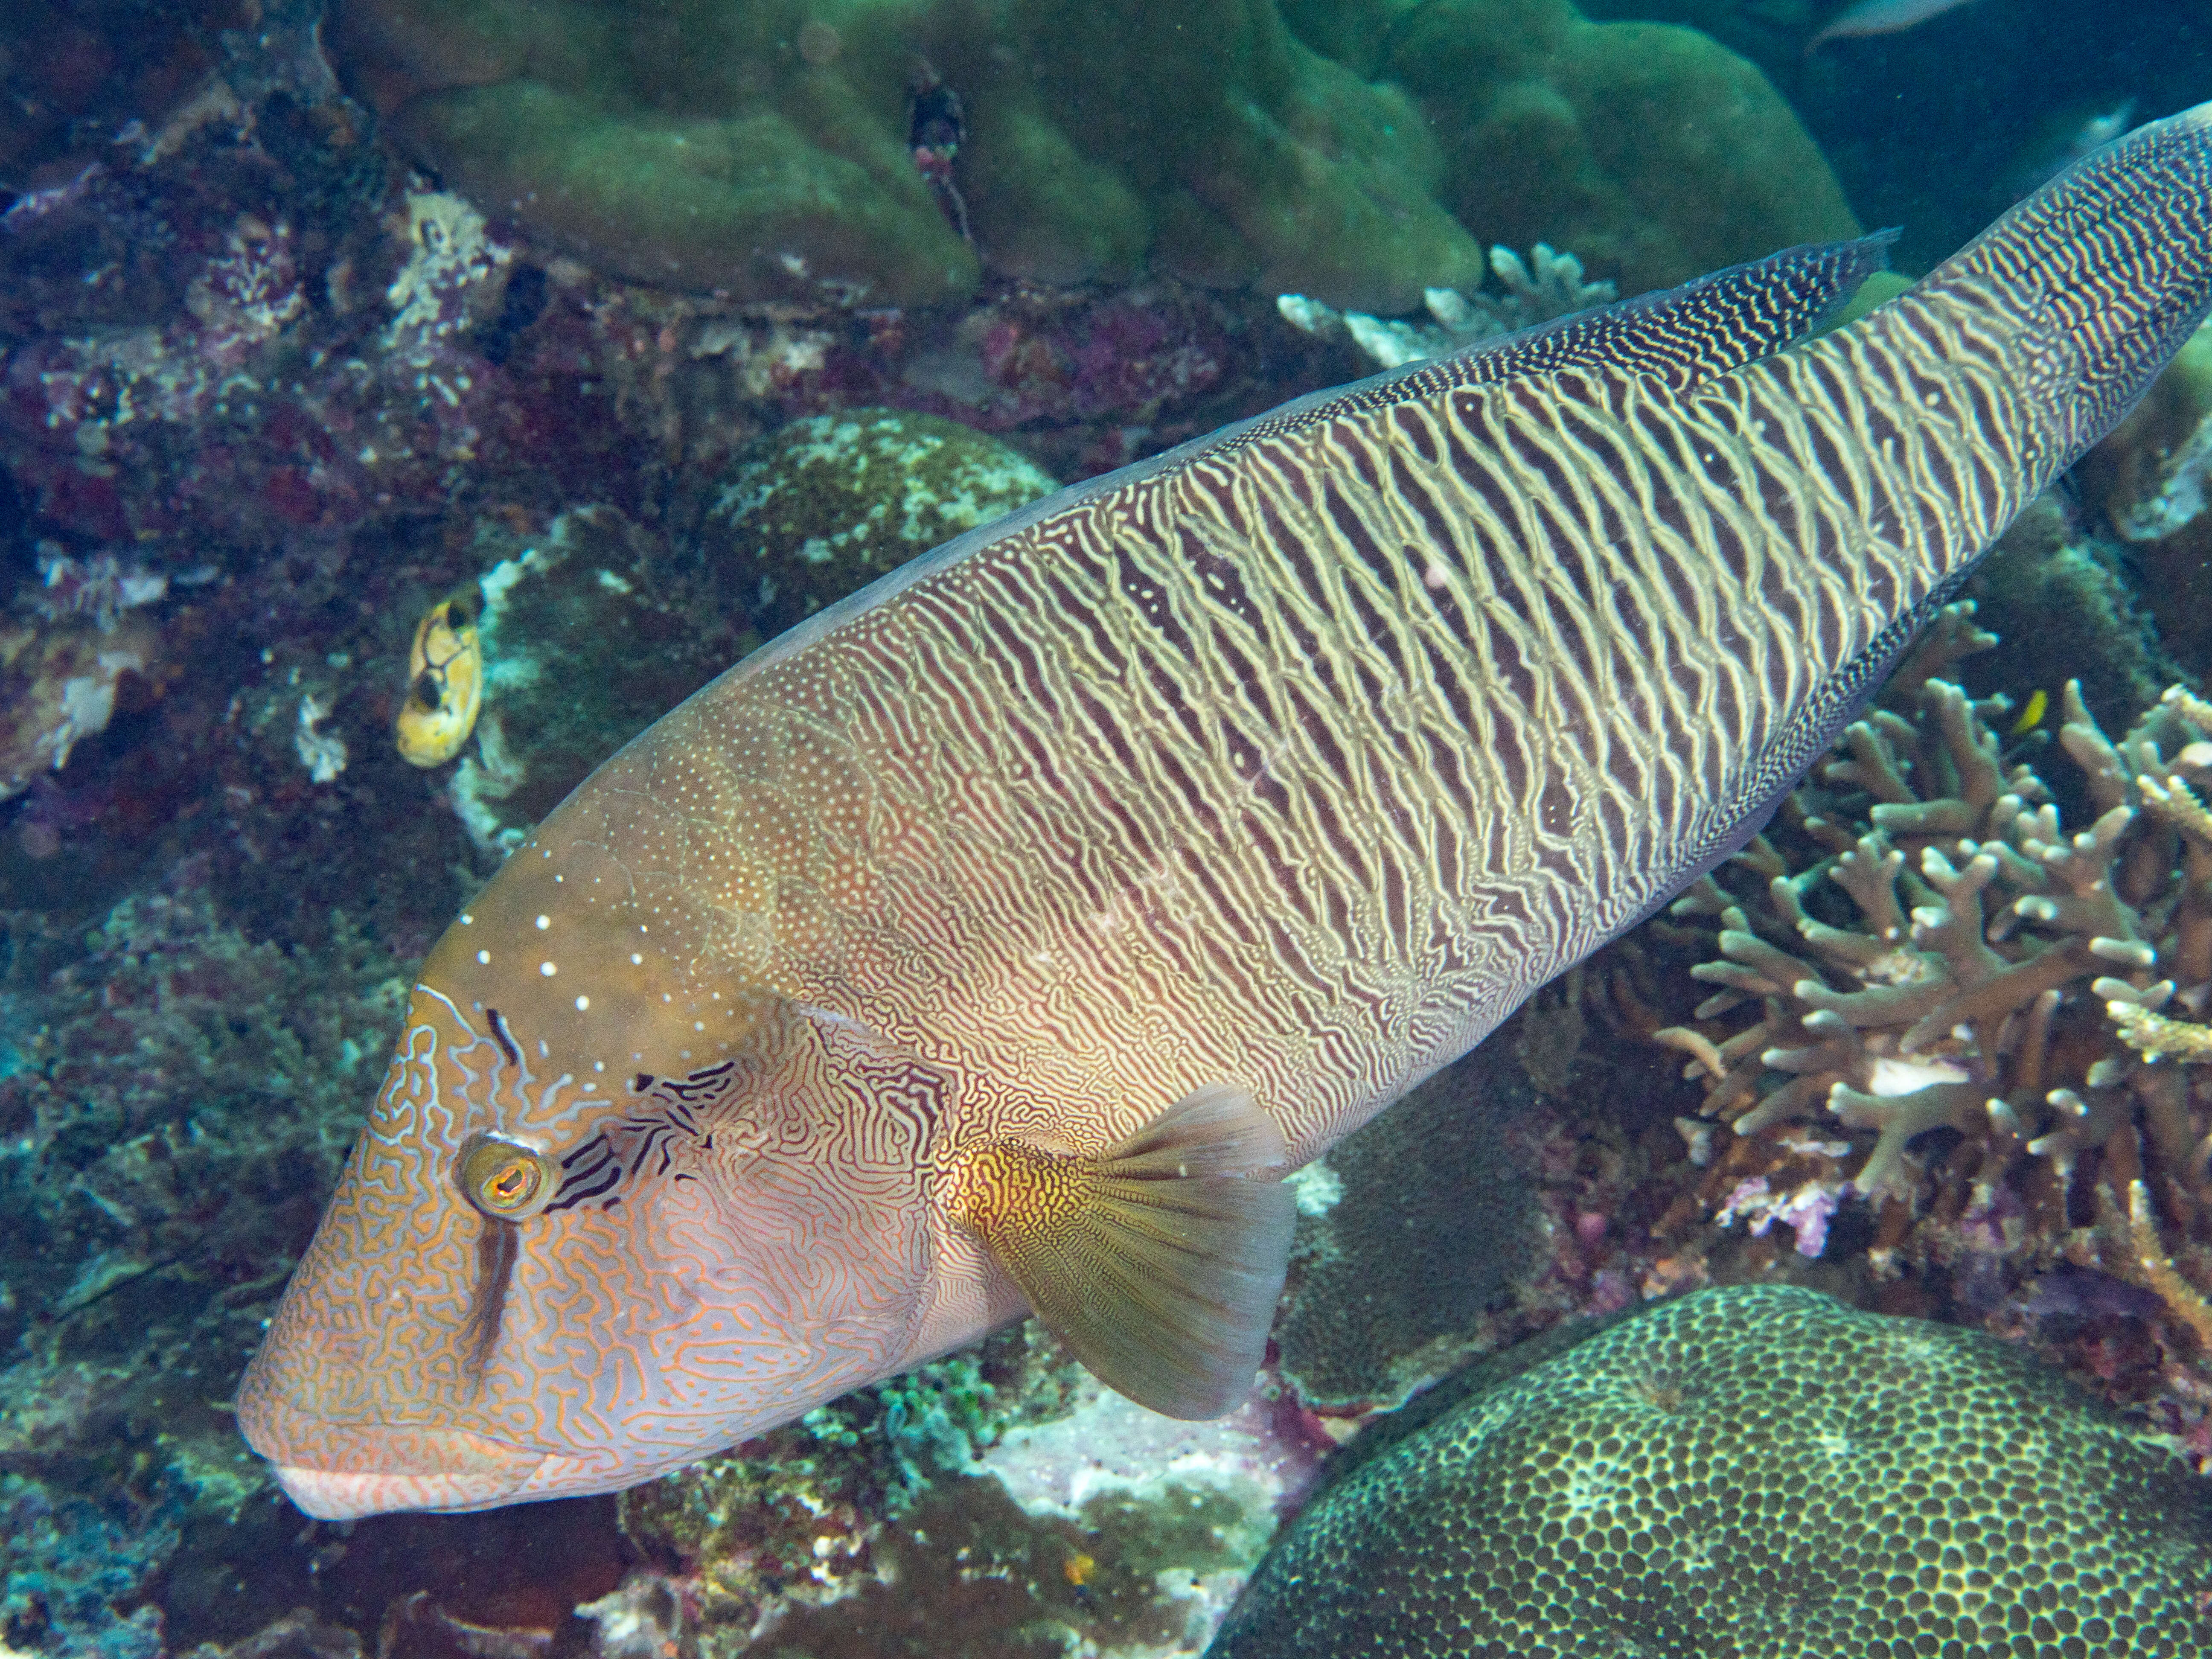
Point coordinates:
[[339, 1471], [346, 1495]]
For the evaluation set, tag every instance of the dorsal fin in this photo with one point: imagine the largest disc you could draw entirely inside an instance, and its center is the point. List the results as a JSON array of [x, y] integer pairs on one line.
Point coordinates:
[[1686, 336], [1681, 337]]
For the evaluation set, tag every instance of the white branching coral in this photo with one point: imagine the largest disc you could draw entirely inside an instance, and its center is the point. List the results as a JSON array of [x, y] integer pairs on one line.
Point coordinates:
[[1545, 286], [1945, 956]]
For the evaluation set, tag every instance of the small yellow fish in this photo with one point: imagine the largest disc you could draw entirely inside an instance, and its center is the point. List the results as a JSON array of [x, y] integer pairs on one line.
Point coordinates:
[[444, 683], [2032, 716]]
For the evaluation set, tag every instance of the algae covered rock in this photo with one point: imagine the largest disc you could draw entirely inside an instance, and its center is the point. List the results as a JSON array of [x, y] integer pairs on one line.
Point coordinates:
[[899, 147], [586, 637], [827, 504], [1414, 1226], [1751, 1473]]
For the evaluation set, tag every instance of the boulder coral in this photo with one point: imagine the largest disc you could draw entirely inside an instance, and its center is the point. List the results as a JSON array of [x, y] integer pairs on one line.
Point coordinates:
[[1750, 1470], [894, 149], [826, 505]]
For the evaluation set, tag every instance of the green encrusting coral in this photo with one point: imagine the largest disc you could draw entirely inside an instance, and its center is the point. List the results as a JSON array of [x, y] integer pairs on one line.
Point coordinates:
[[1756, 1471], [1354, 154]]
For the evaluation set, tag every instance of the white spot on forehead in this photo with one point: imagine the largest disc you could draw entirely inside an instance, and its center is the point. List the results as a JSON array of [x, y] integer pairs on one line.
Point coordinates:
[[582, 1002], [547, 969], [544, 922], [484, 957]]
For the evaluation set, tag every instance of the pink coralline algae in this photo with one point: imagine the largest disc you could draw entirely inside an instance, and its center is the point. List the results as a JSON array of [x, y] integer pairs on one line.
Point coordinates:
[[233, 421]]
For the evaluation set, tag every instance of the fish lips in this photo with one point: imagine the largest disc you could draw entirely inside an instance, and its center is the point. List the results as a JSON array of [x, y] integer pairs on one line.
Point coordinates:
[[342, 1471], [343, 1495]]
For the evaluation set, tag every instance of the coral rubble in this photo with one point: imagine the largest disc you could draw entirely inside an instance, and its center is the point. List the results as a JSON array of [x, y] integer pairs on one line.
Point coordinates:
[[1748, 1470]]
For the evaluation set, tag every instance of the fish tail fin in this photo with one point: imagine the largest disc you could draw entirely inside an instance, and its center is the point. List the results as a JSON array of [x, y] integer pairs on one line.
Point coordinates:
[[1158, 1262], [2092, 283]]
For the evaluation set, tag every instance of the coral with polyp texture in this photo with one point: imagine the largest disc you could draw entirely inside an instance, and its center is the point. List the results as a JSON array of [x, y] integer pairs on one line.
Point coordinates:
[[896, 149]]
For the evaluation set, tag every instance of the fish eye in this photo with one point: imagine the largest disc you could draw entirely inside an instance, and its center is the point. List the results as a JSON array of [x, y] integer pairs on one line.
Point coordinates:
[[504, 1179]]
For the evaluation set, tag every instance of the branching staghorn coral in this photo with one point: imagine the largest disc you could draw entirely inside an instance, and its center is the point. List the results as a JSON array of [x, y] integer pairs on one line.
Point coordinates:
[[1936, 952]]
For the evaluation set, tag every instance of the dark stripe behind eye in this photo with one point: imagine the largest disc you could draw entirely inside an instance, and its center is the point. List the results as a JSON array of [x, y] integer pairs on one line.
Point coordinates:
[[496, 1248]]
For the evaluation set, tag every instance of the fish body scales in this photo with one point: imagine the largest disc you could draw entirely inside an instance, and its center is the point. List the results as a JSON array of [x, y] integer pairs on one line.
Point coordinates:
[[992, 939], [1302, 767]]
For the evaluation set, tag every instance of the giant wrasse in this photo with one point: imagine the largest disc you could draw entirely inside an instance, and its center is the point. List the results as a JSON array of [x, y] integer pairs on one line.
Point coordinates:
[[997, 937]]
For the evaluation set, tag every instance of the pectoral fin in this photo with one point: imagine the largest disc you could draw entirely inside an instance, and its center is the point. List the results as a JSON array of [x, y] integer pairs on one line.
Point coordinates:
[[1158, 1261]]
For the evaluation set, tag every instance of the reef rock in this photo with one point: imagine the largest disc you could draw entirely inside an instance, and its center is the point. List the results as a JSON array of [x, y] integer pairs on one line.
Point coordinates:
[[896, 149], [1756, 1470], [59, 680]]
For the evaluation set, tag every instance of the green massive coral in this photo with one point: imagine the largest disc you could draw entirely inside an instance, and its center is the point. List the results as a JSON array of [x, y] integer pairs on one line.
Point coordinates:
[[1354, 154], [1751, 1473]]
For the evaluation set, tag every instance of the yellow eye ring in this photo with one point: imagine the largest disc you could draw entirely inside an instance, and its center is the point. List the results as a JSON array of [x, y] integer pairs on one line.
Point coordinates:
[[505, 1179]]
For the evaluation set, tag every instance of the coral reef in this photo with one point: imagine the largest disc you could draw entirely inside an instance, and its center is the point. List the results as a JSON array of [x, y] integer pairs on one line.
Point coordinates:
[[267, 396], [827, 504], [1966, 1015], [1750, 1470], [176, 1103], [788, 151]]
